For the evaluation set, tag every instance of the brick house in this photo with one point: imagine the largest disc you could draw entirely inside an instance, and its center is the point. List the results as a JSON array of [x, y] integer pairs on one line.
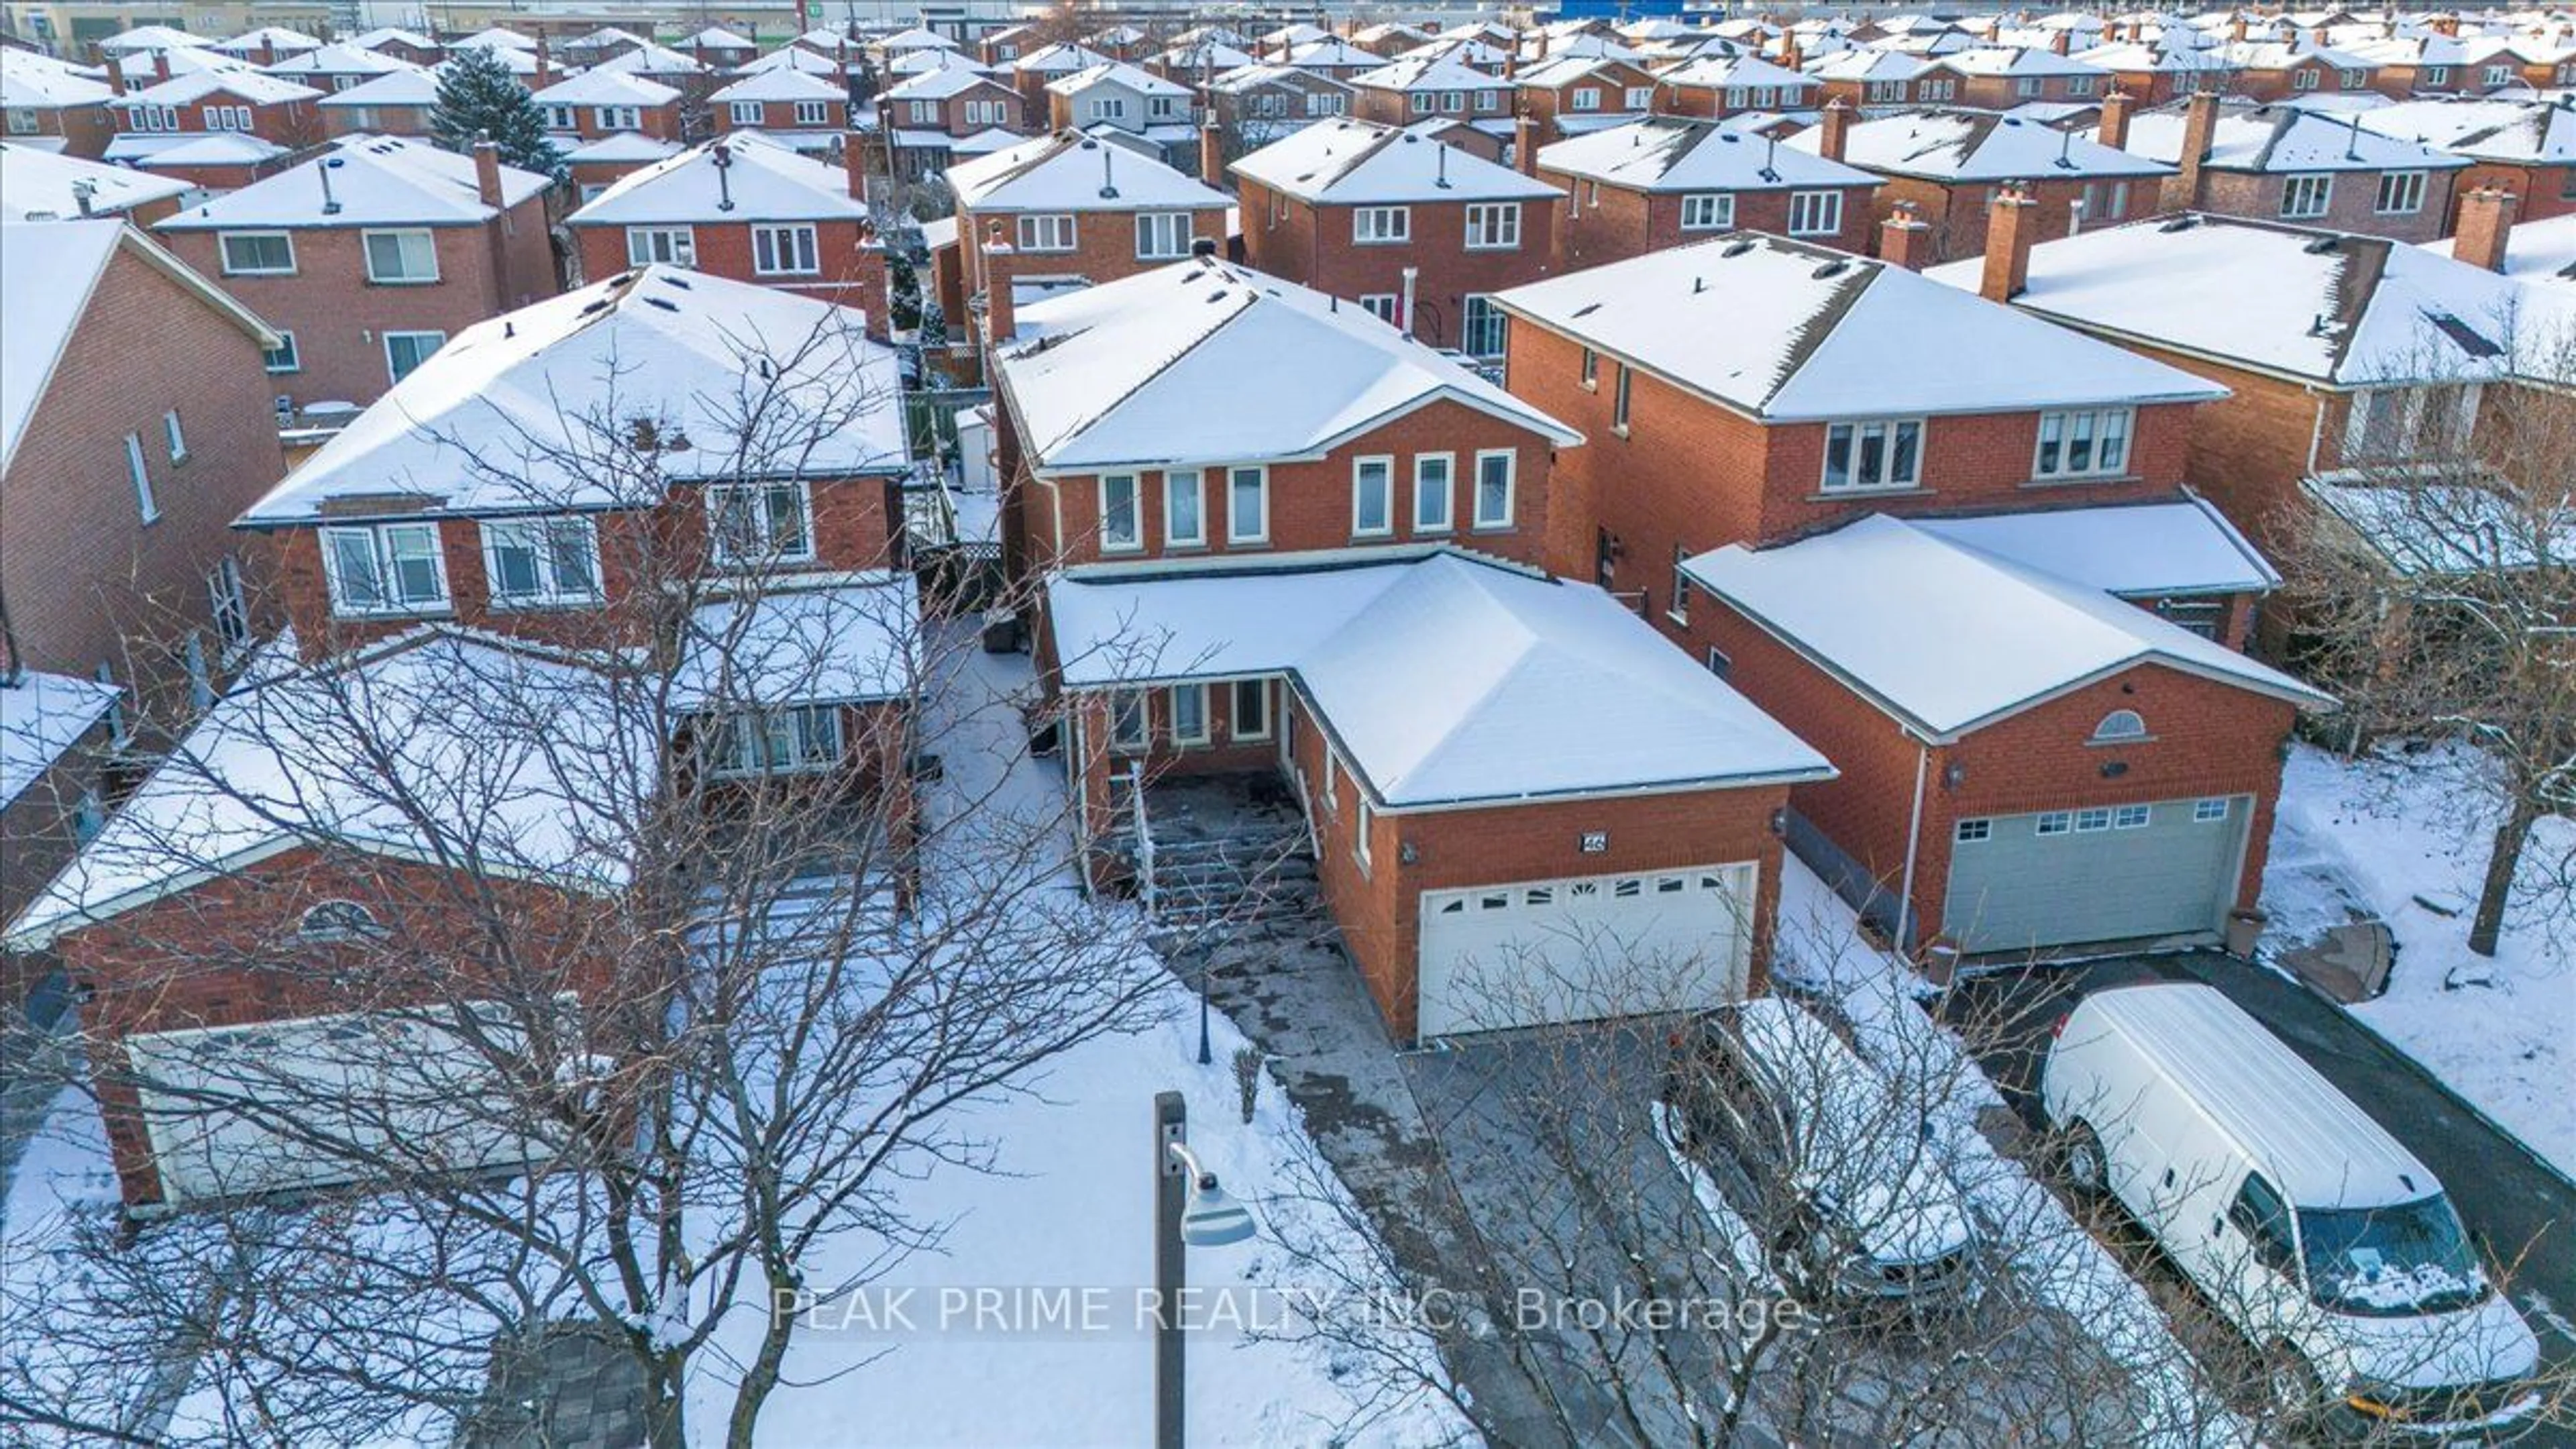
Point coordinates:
[[805, 112], [2001, 77], [1120, 97], [2527, 147], [1076, 211], [2264, 71], [1038, 68], [1254, 105], [1575, 93], [330, 68], [748, 209], [47, 105], [1415, 231], [268, 46], [1433, 87], [1196, 62], [218, 128], [1869, 76], [401, 44], [2151, 76], [2291, 164], [718, 48], [397, 103], [1952, 166], [598, 165], [936, 119], [1332, 57], [50, 185], [366, 259], [596, 105], [125, 366], [2025, 762], [1658, 182], [2534, 253], [1729, 85]]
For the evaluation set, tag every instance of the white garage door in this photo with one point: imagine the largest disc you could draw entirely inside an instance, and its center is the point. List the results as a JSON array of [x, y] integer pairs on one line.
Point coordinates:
[[2110, 873], [318, 1101], [1580, 949]]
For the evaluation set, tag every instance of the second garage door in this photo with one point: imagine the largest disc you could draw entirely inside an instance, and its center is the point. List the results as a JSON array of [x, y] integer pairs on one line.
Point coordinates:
[[1584, 948], [2105, 874]]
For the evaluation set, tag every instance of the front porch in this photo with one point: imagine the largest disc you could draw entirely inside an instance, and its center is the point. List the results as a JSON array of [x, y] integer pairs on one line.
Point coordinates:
[[1206, 850]]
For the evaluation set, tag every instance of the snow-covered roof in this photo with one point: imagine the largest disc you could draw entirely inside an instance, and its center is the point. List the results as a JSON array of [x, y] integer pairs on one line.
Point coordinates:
[[2131, 59], [652, 60], [153, 37], [1722, 71], [1677, 153], [1978, 146], [622, 148], [2316, 305], [1206, 55], [916, 38], [1201, 362], [1070, 171], [1427, 73], [2519, 132], [1442, 678], [49, 271], [498, 37], [384, 35], [503, 416], [2020, 61], [923, 62], [2134, 550], [33, 82], [2284, 138], [2537, 253], [1788, 331], [855, 640], [41, 717], [791, 57], [939, 85], [1252, 77], [511, 747], [40, 186], [141, 68], [1333, 53], [193, 148], [717, 37], [762, 180], [337, 60], [607, 88], [781, 84], [1353, 162], [2431, 527], [1865, 63], [372, 181], [1060, 60], [268, 37], [1947, 637], [1117, 73], [256, 87]]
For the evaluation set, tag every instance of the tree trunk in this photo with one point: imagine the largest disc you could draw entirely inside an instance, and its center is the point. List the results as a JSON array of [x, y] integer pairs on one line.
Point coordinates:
[[2501, 861]]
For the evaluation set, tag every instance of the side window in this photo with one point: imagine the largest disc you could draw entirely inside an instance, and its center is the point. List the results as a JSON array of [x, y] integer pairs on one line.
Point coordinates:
[[2264, 1219]]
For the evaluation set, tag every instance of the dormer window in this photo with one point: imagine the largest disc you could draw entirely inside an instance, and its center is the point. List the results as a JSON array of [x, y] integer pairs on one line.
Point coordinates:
[[2120, 726]]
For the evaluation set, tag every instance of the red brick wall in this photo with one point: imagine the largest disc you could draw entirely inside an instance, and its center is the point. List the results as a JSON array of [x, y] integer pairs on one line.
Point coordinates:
[[853, 268], [1104, 246], [1957, 214], [1603, 224], [951, 111], [85, 130], [1312, 245], [291, 124], [339, 318], [2544, 190], [659, 122], [2352, 204], [385, 120]]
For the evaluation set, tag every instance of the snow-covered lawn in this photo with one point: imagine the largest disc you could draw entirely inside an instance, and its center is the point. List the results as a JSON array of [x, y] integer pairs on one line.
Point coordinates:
[[2502, 1031]]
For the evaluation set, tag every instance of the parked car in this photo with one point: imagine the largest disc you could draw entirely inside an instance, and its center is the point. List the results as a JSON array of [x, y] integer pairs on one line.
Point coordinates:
[[2314, 1232], [1833, 1166]]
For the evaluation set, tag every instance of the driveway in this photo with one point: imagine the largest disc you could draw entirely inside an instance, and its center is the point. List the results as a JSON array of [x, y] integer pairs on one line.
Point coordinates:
[[2523, 1213]]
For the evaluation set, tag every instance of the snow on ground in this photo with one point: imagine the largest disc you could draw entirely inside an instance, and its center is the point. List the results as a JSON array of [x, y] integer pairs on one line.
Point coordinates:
[[2389, 832]]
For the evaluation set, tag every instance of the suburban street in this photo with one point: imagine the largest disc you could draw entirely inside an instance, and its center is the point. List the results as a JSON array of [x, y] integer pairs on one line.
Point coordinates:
[[2521, 1212]]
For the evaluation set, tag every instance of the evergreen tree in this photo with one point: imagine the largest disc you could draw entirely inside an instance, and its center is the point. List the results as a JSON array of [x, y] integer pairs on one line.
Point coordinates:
[[477, 96]]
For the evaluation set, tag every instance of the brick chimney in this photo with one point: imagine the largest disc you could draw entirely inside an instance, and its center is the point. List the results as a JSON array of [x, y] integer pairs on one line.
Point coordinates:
[[2062, 41], [2012, 226], [1790, 59], [1833, 133], [115, 74], [999, 256], [1212, 153], [1905, 238], [2236, 31], [2114, 131], [2486, 226], [2199, 131], [854, 164], [1524, 144], [487, 170]]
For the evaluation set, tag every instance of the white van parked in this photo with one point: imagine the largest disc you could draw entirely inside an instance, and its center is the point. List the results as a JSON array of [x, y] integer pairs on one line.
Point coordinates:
[[2320, 1237]]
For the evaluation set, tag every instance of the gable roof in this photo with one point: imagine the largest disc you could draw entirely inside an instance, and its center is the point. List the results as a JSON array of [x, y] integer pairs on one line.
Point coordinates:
[[1060, 59], [1734, 70], [256, 87], [2284, 138], [1679, 153], [409, 87], [938, 85], [272, 37], [502, 417], [607, 88], [1118, 73], [42, 716], [1070, 171], [781, 83], [29, 81], [1427, 73], [1352, 162], [760, 178], [2321, 306], [1444, 678], [2526, 132], [1978, 146], [1199, 361], [372, 181], [341, 59], [1790, 332], [1947, 637], [49, 271], [42, 186]]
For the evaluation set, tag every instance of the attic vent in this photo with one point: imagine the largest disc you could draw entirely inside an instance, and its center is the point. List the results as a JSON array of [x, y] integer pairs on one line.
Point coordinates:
[[671, 281], [1216, 296], [1830, 269], [1587, 309], [599, 306], [2322, 245], [665, 303], [1737, 247]]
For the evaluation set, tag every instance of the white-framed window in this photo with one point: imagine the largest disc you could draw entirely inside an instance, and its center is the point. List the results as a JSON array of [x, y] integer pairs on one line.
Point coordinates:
[[791, 740], [2080, 85], [982, 113], [1679, 611], [228, 605], [1453, 102], [1122, 514], [786, 249], [145, 504], [1489, 101], [2409, 422], [2304, 197], [257, 253], [813, 113], [1591, 370], [1708, 211], [1372, 497], [24, 122], [746, 113], [154, 118], [174, 436], [1047, 232], [1247, 504], [560, 118], [1332, 785], [672, 245], [2120, 724], [2088, 443], [1435, 492], [2437, 75], [385, 568], [1381, 225], [2133, 817], [2206, 812], [2306, 78], [2028, 87], [1162, 235], [1886, 92], [1422, 102], [1815, 213], [1184, 508], [403, 258], [1189, 705], [922, 113], [1162, 108], [2496, 75], [2401, 193], [1382, 306], [1130, 719], [282, 357], [1251, 710], [750, 523], [1969, 832], [1482, 327], [532, 562], [1619, 398], [1638, 98], [1361, 823], [1584, 98], [1323, 103], [2092, 820], [1493, 226], [1107, 108], [2354, 80], [1937, 89], [228, 118], [1718, 663], [619, 118], [1884, 454], [1495, 480], [406, 351], [2056, 822]]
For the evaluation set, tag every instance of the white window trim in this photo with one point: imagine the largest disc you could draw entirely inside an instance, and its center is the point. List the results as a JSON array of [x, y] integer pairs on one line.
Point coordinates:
[[1922, 439], [139, 473], [285, 344], [1206, 730], [1234, 531], [1198, 489], [680, 241], [379, 537], [2412, 187], [1364, 818], [1125, 741], [813, 113], [739, 726], [745, 113], [224, 252], [1511, 490], [550, 592], [1448, 493], [2128, 418], [1047, 231], [1385, 464], [1134, 541], [1234, 711], [417, 366], [1481, 218], [1828, 201], [2321, 182], [367, 254], [1157, 224], [1719, 207], [796, 241], [1394, 226], [724, 557]]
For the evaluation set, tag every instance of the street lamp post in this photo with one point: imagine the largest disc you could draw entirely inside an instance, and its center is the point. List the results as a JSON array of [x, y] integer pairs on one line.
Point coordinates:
[[1190, 1211]]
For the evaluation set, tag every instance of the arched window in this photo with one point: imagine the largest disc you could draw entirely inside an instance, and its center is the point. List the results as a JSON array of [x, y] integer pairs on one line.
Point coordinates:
[[338, 921], [2120, 724]]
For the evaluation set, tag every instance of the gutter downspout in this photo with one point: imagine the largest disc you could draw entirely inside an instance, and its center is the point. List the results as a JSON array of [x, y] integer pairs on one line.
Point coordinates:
[[1913, 844]]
